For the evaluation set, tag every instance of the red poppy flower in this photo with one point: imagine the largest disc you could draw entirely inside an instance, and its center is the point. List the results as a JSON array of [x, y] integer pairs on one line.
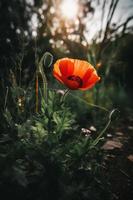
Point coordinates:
[[75, 74]]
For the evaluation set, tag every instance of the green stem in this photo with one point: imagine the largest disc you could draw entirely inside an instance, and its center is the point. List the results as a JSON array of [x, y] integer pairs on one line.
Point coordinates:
[[90, 104], [105, 128], [36, 91], [64, 95], [45, 83], [45, 88], [6, 96]]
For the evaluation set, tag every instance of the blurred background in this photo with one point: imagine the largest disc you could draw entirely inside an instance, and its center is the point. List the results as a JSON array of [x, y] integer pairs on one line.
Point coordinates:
[[99, 31]]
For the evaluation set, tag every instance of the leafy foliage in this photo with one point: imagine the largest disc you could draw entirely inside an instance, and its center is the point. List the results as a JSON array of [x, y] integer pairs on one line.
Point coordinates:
[[45, 151]]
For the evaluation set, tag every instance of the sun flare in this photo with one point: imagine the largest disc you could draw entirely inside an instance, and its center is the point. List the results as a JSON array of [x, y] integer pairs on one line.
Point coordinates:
[[69, 8]]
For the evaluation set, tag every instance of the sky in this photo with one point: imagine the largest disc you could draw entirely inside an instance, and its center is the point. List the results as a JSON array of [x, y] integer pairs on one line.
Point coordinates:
[[123, 11]]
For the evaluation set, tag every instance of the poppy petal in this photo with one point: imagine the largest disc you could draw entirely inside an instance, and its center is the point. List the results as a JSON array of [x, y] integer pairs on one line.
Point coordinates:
[[66, 67], [75, 74], [59, 78], [88, 74], [56, 68], [91, 82], [80, 67]]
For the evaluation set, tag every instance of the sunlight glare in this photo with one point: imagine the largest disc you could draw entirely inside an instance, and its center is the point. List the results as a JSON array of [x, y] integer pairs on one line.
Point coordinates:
[[69, 8]]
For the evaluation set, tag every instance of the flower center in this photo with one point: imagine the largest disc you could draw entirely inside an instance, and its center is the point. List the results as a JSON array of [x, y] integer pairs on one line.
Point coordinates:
[[74, 82]]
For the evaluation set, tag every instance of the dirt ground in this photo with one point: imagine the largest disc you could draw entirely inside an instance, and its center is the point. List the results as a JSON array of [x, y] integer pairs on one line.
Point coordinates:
[[119, 159]]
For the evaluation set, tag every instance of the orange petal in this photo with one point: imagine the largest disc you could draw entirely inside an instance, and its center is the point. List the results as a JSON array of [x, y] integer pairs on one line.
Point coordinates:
[[73, 82], [66, 67], [88, 74], [56, 68], [80, 67], [58, 77], [91, 82], [74, 68]]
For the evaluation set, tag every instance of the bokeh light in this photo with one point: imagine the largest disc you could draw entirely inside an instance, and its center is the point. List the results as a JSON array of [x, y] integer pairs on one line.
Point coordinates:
[[69, 9]]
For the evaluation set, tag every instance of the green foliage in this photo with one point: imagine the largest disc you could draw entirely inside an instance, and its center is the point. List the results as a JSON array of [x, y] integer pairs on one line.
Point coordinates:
[[51, 153], [46, 148]]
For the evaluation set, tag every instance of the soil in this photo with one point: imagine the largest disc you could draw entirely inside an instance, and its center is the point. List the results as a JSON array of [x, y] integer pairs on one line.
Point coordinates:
[[119, 159]]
